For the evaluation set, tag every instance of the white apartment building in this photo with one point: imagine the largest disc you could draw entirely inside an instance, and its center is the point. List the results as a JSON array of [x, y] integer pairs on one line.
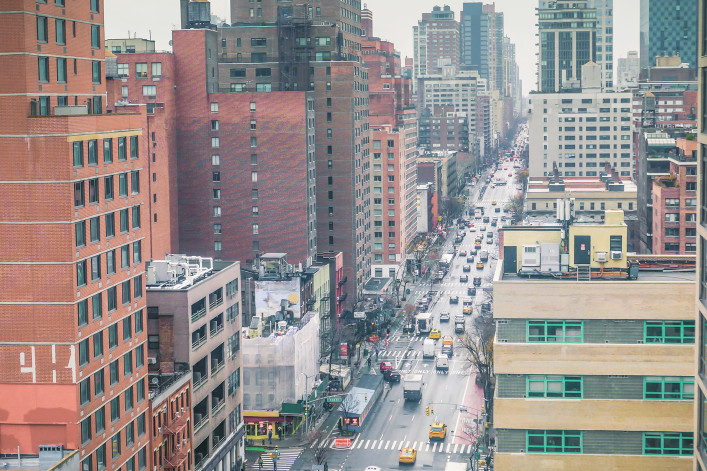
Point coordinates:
[[580, 132]]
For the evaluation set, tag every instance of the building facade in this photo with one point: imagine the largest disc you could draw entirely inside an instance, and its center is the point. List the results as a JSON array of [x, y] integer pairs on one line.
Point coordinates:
[[170, 406], [435, 42], [604, 38], [586, 384], [628, 71], [580, 133], [568, 39], [194, 323], [700, 409], [74, 186], [668, 28]]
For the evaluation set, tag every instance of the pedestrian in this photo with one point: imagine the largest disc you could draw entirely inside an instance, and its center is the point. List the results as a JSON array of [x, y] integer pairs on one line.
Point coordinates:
[[326, 466], [279, 432], [270, 436], [260, 462], [369, 362]]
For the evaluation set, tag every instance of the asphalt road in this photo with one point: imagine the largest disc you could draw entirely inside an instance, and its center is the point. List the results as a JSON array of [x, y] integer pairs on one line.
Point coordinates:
[[395, 423]]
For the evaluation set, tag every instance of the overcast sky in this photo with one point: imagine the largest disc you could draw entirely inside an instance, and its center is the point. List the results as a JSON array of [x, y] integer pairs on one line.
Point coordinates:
[[392, 20]]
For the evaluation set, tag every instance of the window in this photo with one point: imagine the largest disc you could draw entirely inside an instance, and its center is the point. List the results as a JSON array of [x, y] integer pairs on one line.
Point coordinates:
[[214, 107], [83, 352], [615, 242], [149, 91], [60, 28], [110, 225], [136, 217], [256, 229], [258, 57], [560, 331], [81, 273], [263, 72], [215, 160], [98, 383], [257, 42], [93, 191], [78, 195], [669, 332], [124, 223], [554, 441], [263, 87], [95, 268], [96, 72], [112, 294], [554, 386], [217, 228], [86, 430], [141, 69], [215, 177], [667, 443], [61, 70], [128, 363], [80, 229], [42, 31], [94, 229], [125, 289], [137, 287], [215, 142], [98, 344], [156, 69], [114, 374], [97, 305], [95, 37], [139, 356], [214, 124], [85, 391], [115, 445], [217, 211], [669, 388], [128, 399], [254, 177], [43, 69]]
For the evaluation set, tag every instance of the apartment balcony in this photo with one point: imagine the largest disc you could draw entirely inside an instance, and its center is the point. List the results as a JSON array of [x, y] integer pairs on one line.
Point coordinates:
[[218, 406], [198, 343], [201, 423]]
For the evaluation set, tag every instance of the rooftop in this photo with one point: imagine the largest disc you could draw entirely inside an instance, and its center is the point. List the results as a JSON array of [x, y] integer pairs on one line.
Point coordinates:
[[49, 457], [180, 272]]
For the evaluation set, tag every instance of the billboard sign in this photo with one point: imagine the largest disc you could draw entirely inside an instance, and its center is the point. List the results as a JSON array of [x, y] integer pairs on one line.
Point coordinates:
[[271, 296]]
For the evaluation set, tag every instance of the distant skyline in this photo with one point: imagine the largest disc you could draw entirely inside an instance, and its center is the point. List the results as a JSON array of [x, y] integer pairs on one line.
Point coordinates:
[[158, 17]]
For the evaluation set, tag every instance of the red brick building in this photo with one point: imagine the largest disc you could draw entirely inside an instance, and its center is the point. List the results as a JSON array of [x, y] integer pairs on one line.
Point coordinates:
[[172, 424], [149, 79], [314, 46], [393, 149], [74, 239], [675, 203]]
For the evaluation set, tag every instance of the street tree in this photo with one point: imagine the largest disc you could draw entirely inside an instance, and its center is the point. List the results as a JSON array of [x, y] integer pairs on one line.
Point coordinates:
[[522, 178], [516, 208], [314, 437], [348, 408], [477, 343]]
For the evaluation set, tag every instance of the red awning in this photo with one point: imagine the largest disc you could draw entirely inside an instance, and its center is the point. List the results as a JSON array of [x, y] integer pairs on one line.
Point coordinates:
[[257, 420]]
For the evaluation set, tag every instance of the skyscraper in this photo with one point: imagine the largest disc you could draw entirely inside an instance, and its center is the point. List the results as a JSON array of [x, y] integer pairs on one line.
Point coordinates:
[[668, 28], [568, 32], [482, 43], [314, 46], [436, 42], [73, 352], [604, 37]]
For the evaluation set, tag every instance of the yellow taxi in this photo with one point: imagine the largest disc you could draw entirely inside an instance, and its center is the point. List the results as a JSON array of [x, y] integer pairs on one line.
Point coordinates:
[[435, 334], [479, 265], [493, 203], [438, 431], [447, 340], [407, 456]]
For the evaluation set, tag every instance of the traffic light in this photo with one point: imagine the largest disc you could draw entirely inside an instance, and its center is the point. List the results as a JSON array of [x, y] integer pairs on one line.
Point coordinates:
[[427, 410], [306, 411], [432, 411]]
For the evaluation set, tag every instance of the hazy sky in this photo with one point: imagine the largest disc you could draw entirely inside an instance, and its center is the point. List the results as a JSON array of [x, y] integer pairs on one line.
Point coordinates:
[[392, 20]]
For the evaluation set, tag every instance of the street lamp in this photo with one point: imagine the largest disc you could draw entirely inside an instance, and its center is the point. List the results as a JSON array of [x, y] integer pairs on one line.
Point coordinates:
[[306, 399]]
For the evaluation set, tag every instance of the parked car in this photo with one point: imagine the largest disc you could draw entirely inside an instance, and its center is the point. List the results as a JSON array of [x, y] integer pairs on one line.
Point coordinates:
[[386, 366], [392, 376]]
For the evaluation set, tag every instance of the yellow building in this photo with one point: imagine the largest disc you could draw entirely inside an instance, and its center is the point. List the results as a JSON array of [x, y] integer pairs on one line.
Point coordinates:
[[593, 355]]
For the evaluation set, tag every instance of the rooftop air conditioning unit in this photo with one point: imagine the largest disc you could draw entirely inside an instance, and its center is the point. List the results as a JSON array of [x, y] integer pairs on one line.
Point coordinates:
[[601, 256], [616, 255], [151, 360]]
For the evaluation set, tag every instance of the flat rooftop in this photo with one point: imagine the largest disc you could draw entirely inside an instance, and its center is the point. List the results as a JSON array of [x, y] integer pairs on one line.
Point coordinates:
[[181, 272]]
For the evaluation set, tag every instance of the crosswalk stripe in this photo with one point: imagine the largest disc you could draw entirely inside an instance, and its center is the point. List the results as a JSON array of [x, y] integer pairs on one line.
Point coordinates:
[[393, 447], [427, 447], [285, 461], [386, 444], [455, 447], [365, 447], [380, 445], [407, 444], [448, 445], [360, 442], [434, 448]]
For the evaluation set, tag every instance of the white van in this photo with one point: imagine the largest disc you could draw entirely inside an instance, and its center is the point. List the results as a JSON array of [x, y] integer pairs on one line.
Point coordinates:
[[428, 348], [442, 362]]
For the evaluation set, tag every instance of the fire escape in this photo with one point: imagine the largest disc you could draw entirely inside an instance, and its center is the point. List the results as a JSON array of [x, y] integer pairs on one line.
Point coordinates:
[[177, 435], [295, 46]]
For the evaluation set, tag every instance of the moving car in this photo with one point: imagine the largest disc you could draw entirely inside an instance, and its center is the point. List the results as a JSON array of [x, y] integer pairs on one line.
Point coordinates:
[[454, 300], [477, 281], [386, 366], [447, 340], [409, 328], [442, 363], [466, 268], [438, 431], [498, 210], [407, 456], [470, 259], [494, 223], [464, 278], [392, 376], [489, 241], [479, 265], [444, 317], [493, 203], [471, 291], [434, 334], [462, 253]]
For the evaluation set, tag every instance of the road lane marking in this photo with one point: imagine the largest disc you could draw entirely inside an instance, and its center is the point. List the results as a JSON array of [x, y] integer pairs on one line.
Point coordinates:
[[380, 444], [360, 442], [455, 447], [434, 448], [393, 446], [387, 442], [448, 445], [366, 445], [427, 446]]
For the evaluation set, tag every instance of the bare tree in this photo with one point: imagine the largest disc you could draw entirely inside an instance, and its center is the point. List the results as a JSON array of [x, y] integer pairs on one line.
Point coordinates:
[[477, 343], [319, 450], [516, 208]]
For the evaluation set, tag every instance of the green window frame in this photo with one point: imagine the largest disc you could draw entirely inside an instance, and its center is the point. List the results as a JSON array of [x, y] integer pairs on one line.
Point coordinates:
[[554, 441], [668, 443], [682, 332], [554, 386], [555, 331], [669, 388]]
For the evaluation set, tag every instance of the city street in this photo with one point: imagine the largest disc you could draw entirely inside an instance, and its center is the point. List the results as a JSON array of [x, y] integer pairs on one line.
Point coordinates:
[[453, 396]]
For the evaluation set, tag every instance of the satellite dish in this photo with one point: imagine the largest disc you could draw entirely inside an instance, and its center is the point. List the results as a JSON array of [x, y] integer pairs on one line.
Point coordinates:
[[155, 381]]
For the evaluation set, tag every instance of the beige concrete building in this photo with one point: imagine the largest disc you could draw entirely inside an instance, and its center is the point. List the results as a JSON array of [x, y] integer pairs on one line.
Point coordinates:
[[593, 356]]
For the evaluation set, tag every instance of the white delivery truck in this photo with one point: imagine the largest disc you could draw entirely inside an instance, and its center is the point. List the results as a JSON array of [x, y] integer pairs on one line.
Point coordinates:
[[424, 322], [451, 466], [428, 348], [442, 363], [412, 387]]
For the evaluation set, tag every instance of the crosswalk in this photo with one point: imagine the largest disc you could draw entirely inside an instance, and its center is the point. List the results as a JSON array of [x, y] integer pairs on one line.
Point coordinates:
[[287, 458], [420, 446]]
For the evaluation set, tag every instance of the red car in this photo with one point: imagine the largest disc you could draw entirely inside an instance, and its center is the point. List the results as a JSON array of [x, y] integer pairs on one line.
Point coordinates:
[[386, 366]]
